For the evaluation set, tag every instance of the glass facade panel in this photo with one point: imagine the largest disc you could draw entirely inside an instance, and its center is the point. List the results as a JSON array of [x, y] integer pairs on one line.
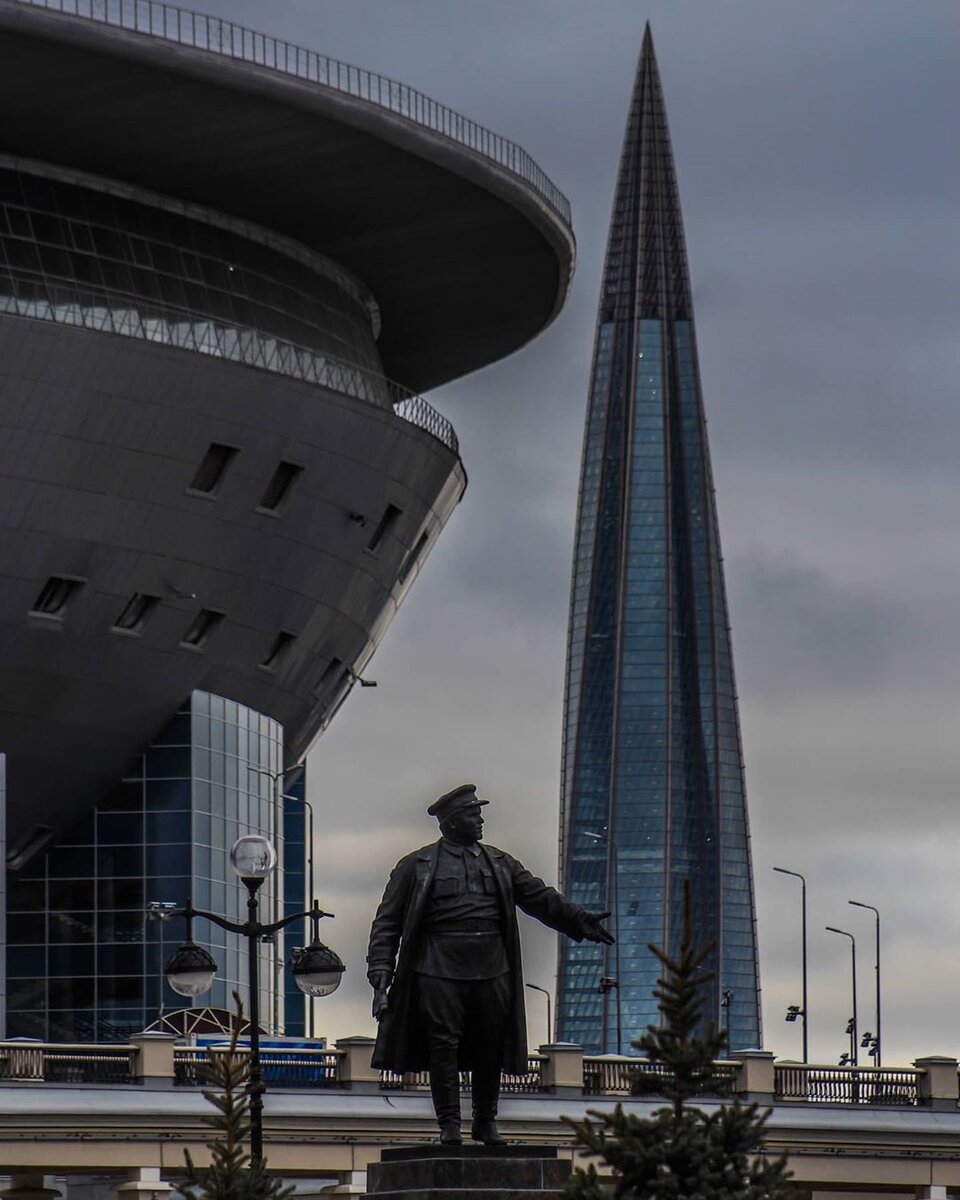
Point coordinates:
[[652, 781], [80, 251], [84, 962]]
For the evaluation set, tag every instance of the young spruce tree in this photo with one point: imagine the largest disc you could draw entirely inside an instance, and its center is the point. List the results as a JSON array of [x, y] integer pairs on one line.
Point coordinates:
[[681, 1152], [232, 1174]]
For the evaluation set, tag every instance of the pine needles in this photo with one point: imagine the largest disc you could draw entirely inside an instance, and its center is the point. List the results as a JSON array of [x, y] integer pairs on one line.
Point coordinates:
[[681, 1152], [232, 1174]]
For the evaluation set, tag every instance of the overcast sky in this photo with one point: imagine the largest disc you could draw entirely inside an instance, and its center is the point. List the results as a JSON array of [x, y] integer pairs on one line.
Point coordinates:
[[815, 145]]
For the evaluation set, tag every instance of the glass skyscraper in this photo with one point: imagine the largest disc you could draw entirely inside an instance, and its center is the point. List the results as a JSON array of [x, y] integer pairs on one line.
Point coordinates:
[[652, 781]]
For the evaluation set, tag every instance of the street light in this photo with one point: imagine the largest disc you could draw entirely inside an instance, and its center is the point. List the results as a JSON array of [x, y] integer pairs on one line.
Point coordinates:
[[191, 969], [875, 1044], [793, 1012], [279, 796], [161, 910], [606, 979], [537, 988], [726, 1001], [852, 1023]]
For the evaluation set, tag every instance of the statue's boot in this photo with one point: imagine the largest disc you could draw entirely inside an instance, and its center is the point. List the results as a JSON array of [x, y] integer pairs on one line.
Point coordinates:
[[445, 1089], [486, 1096]]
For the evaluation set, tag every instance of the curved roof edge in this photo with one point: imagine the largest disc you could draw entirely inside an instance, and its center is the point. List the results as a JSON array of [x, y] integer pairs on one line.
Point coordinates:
[[407, 146]]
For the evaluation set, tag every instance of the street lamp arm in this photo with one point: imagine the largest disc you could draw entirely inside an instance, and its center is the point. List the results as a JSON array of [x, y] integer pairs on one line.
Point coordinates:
[[231, 926], [281, 924]]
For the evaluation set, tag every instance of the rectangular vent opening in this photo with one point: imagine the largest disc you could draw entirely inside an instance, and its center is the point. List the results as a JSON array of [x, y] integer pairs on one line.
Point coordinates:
[[413, 557], [135, 611], [203, 625], [386, 523], [278, 650], [55, 594], [332, 669], [210, 473], [278, 489]]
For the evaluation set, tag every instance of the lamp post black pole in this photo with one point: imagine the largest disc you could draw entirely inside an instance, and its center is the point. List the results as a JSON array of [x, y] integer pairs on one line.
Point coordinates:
[[854, 1038], [256, 1085], [536, 987], [803, 950], [876, 913]]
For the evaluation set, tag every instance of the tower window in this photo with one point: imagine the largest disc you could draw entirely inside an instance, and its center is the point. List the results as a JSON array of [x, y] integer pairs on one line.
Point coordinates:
[[412, 558], [204, 624], [278, 650], [278, 489], [136, 611], [210, 473], [386, 523], [55, 594]]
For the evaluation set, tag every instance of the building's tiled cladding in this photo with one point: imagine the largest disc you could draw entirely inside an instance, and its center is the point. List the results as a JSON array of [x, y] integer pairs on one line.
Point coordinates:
[[652, 758]]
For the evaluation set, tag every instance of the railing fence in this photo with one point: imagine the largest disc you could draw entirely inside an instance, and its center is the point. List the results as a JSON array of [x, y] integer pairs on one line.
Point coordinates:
[[202, 32], [300, 1067], [847, 1085]]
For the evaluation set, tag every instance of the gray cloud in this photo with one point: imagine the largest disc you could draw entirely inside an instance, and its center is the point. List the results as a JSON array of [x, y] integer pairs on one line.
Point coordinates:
[[800, 631]]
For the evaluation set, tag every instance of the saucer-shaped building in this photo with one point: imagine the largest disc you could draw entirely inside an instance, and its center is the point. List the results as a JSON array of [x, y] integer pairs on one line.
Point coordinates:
[[228, 268]]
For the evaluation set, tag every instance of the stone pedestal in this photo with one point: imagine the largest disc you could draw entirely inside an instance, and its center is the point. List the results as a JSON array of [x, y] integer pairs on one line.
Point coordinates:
[[435, 1172]]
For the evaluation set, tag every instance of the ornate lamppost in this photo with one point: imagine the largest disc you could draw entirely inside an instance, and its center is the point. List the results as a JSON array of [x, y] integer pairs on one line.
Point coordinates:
[[191, 969]]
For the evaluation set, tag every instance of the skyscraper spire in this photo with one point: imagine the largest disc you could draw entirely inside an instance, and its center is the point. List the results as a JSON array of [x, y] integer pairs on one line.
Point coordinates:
[[652, 787]]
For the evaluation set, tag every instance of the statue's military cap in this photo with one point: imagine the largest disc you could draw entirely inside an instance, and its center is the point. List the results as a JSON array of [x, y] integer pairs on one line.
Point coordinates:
[[464, 796]]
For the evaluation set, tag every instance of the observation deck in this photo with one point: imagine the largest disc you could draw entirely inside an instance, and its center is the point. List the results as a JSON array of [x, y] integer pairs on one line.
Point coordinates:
[[462, 239]]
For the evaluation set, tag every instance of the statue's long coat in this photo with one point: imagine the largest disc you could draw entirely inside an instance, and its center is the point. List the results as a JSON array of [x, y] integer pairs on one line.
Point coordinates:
[[399, 925]]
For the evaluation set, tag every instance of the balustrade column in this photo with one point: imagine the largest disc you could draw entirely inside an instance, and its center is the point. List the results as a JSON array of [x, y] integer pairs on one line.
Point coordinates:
[[755, 1081], [561, 1071], [355, 1071], [937, 1084], [144, 1183], [153, 1059]]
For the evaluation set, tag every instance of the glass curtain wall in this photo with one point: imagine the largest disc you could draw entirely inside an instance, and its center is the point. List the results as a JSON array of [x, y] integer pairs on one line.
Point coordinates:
[[653, 794], [75, 251], [297, 827], [84, 963]]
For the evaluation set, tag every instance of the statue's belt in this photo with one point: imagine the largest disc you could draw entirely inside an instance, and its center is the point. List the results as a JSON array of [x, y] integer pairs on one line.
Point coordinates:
[[464, 928]]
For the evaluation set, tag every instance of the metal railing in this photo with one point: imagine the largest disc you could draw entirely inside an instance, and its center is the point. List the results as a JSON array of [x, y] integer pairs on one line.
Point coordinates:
[[611, 1076], [213, 34], [299, 1068], [63, 1063], [250, 347], [847, 1085], [308, 1068], [529, 1081]]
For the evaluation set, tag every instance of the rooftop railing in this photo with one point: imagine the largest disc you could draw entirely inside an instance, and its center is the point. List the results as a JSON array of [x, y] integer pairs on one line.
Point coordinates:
[[297, 1068], [248, 346], [930, 1082], [513, 1084], [898, 1087], [213, 34], [32, 1062], [612, 1076]]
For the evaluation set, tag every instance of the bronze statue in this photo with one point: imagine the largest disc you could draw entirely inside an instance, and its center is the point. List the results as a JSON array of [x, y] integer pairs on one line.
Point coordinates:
[[453, 998]]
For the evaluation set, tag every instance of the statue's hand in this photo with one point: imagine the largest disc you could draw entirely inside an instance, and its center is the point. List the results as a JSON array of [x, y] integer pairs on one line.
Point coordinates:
[[379, 981], [591, 926]]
